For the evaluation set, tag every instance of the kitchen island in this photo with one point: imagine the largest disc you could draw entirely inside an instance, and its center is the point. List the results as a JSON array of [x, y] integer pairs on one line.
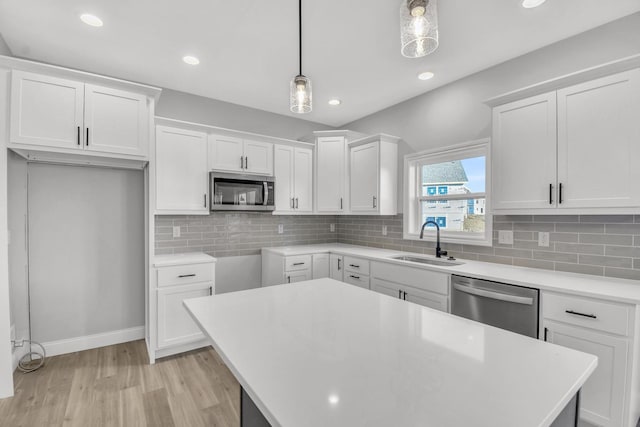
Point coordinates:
[[324, 353]]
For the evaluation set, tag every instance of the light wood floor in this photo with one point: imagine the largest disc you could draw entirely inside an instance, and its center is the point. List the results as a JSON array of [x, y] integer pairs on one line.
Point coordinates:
[[116, 386]]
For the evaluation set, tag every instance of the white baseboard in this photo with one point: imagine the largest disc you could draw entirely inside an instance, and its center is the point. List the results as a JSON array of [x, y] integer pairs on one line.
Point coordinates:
[[87, 342]]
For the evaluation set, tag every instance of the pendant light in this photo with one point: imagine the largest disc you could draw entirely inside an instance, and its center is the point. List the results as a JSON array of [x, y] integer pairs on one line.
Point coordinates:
[[300, 92], [418, 27]]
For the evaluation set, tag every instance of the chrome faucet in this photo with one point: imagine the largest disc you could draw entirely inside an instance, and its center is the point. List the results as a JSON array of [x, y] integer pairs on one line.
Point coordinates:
[[439, 252]]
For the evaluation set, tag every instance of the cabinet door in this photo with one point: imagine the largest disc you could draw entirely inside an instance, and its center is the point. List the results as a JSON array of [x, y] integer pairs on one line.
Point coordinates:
[[297, 276], [387, 288], [175, 325], [331, 176], [336, 267], [426, 299], [598, 142], [364, 177], [115, 121], [303, 180], [283, 172], [226, 153], [181, 171], [602, 396], [356, 279], [524, 153], [320, 266], [46, 111], [258, 157]]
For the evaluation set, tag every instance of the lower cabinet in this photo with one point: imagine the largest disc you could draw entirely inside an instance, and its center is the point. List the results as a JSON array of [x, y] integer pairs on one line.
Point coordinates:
[[408, 293], [175, 325], [356, 279], [336, 267]]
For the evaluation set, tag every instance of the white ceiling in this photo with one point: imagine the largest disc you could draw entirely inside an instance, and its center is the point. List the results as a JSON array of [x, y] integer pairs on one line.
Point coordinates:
[[248, 49]]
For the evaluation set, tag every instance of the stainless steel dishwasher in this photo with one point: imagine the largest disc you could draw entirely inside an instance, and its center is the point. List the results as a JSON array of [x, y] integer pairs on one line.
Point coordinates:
[[510, 307]]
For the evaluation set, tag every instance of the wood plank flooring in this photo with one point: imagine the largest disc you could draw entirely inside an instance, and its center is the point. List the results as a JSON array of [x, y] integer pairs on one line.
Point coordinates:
[[116, 386]]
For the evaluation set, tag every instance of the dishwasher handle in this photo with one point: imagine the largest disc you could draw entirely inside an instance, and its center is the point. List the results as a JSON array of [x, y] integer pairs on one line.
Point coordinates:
[[493, 295]]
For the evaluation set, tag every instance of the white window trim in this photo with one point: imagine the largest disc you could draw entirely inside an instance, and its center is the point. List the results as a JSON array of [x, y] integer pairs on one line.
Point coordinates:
[[480, 147]]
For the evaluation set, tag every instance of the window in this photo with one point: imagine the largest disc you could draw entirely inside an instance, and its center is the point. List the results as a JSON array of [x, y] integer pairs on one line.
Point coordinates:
[[449, 187]]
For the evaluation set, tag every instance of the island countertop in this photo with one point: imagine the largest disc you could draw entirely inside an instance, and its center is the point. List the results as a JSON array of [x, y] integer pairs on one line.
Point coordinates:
[[322, 353]]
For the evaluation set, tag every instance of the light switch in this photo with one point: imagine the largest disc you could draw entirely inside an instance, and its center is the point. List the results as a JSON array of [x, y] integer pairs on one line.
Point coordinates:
[[543, 239], [176, 231], [384, 230], [332, 227], [280, 228], [505, 237]]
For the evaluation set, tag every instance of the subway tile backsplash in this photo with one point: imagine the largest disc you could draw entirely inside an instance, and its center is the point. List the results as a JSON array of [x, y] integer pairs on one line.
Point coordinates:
[[603, 245]]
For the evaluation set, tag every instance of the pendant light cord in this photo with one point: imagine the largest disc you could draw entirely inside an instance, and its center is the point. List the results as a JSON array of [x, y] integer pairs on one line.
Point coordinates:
[[300, 33]]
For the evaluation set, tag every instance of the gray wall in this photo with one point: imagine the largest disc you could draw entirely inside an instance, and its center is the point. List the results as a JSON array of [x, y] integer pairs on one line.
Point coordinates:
[[602, 245], [198, 109], [86, 250], [455, 113]]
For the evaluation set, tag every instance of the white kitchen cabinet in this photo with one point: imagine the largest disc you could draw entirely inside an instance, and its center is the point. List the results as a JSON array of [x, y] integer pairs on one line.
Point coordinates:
[[524, 153], [336, 267], [115, 121], [58, 113], [234, 154], [174, 279], [356, 279], [181, 171], [331, 175], [175, 325], [298, 276], [46, 111], [602, 398], [408, 293], [356, 271], [293, 170], [320, 265], [571, 150], [598, 142], [373, 175], [278, 269]]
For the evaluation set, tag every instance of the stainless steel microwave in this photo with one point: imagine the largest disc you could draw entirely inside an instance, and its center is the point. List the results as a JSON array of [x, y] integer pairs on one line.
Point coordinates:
[[232, 192]]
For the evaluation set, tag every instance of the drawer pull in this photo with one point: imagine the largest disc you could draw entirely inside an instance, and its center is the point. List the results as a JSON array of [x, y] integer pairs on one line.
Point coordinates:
[[354, 266], [591, 316], [182, 276], [354, 277], [298, 263]]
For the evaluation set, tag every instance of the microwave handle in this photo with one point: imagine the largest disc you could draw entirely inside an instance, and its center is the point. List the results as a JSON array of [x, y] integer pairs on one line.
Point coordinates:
[[266, 193]]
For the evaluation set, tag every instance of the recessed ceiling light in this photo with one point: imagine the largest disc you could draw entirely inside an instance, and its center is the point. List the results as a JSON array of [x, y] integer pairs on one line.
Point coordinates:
[[335, 102], [528, 4], [90, 19], [191, 60], [426, 75]]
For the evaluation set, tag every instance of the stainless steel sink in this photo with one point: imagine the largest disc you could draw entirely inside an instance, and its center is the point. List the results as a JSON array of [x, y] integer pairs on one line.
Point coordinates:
[[430, 261]]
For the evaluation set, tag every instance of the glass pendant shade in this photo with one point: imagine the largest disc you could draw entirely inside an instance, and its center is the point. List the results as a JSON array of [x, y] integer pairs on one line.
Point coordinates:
[[418, 27], [300, 99]]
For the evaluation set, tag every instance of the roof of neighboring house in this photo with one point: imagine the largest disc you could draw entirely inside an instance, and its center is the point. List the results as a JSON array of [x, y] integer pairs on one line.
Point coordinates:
[[448, 172]]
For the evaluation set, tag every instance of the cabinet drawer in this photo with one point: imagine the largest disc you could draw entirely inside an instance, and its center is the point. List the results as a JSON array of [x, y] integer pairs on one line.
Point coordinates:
[[356, 279], [416, 277], [357, 265], [183, 274], [588, 313], [295, 263]]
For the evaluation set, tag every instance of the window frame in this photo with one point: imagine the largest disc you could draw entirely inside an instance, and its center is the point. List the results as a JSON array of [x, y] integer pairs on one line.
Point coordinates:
[[412, 198]]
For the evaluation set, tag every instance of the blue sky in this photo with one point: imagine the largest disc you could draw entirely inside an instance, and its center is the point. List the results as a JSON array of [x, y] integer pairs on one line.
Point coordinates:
[[475, 169]]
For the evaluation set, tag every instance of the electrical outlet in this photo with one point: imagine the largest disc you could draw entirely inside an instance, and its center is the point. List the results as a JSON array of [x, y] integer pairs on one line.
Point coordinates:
[[505, 237], [176, 231], [280, 228], [543, 239], [384, 230], [13, 332], [332, 228]]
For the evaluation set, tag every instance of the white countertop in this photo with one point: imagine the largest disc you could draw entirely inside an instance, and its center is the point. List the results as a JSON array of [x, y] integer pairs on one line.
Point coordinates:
[[581, 284], [179, 259], [323, 353]]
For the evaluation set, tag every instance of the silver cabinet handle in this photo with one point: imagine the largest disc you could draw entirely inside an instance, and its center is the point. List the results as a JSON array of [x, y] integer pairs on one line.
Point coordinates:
[[405, 296], [577, 313], [296, 203], [354, 266], [210, 290], [205, 200], [493, 295], [246, 162], [375, 204], [354, 277], [341, 203], [293, 203], [298, 263], [288, 279], [399, 294], [182, 276], [266, 193], [339, 264], [241, 162]]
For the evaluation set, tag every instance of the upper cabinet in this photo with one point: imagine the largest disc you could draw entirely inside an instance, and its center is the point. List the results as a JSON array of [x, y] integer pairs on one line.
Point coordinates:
[[232, 154], [181, 171], [51, 113], [374, 175], [570, 151], [331, 175], [293, 168]]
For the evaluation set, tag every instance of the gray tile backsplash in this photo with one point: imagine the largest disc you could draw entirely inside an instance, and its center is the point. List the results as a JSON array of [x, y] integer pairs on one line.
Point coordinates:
[[232, 234], [603, 245]]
